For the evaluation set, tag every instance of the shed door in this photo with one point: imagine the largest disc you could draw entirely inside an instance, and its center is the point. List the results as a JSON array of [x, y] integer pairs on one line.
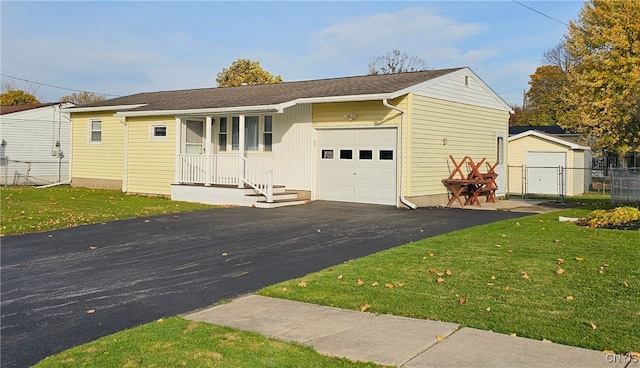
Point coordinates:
[[543, 172], [357, 165]]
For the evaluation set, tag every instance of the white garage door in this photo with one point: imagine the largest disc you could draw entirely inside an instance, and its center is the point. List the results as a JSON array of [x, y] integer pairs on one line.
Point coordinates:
[[357, 165], [543, 175]]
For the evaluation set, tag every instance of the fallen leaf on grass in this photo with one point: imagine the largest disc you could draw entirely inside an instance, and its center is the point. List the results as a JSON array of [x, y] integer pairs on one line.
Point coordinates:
[[364, 307], [284, 290], [302, 284], [524, 275], [570, 297], [360, 282], [375, 283], [433, 270], [448, 272], [440, 280], [498, 246], [91, 311], [340, 277], [579, 259], [493, 277], [513, 334], [440, 274], [506, 288], [431, 254], [559, 271], [593, 325], [462, 301], [400, 284], [440, 338], [160, 320], [625, 284], [388, 285], [608, 351], [560, 261], [545, 340], [488, 309]]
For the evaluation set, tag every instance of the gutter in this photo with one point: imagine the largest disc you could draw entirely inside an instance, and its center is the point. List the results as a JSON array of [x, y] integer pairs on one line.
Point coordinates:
[[403, 148], [125, 165]]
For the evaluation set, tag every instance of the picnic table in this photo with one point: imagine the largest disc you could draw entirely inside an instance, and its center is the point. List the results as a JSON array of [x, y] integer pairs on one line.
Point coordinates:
[[471, 184]]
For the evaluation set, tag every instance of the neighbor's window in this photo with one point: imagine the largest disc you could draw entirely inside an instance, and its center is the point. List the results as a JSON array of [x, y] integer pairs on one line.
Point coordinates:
[[251, 124], [159, 132], [95, 131], [222, 134], [268, 133]]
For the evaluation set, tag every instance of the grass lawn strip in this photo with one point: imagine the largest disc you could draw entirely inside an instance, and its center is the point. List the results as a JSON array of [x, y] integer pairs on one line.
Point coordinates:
[[176, 342], [31, 210], [534, 277]]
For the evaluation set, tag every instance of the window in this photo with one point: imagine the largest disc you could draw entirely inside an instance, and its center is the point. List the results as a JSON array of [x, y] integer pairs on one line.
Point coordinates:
[[346, 154], [500, 150], [159, 132], [222, 135], [327, 154], [95, 131], [268, 134], [366, 155], [386, 155], [251, 125]]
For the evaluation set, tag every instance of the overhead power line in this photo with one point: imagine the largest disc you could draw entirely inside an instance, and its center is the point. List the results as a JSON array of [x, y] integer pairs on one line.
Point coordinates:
[[52, 86], [541, 13]]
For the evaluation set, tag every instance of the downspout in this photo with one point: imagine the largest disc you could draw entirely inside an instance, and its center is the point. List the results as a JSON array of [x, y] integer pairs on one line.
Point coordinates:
[[125, 165], [403, 149]]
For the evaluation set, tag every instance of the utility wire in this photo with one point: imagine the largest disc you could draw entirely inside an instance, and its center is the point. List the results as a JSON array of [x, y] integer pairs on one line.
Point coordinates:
[[49, 85], [541, 13]]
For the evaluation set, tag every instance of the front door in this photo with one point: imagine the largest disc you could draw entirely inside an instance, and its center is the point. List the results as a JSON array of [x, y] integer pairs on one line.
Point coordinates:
[[194, 137]]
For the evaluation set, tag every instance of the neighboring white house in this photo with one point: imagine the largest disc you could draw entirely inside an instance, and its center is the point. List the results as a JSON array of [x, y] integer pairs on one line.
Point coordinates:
[[35, 145]]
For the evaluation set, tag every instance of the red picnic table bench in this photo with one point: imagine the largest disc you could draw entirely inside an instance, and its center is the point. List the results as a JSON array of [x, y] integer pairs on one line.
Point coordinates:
[[472, 184]]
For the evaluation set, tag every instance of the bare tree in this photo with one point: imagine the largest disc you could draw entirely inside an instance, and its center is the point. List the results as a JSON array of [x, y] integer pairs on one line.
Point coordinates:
[[396, 61]]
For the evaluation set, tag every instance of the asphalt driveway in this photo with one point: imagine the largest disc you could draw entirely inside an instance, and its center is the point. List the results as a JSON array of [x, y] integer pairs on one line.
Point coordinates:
[[134, 271]]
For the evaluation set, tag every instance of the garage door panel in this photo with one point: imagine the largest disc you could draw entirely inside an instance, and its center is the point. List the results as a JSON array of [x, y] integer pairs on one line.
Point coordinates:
[[365, 177]]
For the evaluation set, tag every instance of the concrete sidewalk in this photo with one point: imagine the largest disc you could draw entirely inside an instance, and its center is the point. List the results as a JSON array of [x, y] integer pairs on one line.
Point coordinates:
[[396, 341]]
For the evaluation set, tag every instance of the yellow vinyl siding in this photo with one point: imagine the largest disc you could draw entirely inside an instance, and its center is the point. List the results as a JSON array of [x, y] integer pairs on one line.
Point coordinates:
[[469, 130], [102, 160], [518, 149], [369, 114], [151, 162]]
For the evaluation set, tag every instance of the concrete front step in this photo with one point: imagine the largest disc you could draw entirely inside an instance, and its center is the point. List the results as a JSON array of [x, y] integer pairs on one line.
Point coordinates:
[[280, 203]]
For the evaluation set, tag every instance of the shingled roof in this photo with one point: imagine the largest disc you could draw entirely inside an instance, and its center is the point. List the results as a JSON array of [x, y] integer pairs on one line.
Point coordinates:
[[10, 109], [269, 94]]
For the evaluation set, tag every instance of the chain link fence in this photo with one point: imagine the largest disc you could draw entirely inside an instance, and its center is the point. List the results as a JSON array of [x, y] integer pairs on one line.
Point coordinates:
[[14, 172], [559, 182], [625, 185]]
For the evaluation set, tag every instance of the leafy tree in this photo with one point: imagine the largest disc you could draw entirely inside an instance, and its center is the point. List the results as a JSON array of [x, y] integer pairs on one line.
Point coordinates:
[[396, 61], [544, 100], [603, 77], [17, 97], [80, 98], [245, 71]]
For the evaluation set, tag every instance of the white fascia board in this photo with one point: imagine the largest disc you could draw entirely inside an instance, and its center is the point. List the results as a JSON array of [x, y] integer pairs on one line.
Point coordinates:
[[342, 98], [101, 108], [200, 112], [463, 71], [551, 138]]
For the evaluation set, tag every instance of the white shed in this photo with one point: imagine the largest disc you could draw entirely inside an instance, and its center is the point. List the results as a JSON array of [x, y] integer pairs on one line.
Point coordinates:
[[35, 144], [541, 163]]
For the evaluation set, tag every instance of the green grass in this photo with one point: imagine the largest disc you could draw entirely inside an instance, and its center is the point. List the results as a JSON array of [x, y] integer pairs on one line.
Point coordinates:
[[176, 342], [30, 209], [581, 307]]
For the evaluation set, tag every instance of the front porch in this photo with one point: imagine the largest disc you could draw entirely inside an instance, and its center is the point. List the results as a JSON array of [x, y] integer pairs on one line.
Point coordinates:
[[223, 179]]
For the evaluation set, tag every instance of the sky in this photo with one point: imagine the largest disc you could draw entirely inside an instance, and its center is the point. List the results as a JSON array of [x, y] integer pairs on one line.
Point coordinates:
[[120, 48]]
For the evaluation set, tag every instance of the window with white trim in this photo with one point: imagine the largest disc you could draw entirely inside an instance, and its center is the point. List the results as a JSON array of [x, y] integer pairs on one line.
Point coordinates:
[[158, 132], [95, 131], [222, 135], [267, 140]]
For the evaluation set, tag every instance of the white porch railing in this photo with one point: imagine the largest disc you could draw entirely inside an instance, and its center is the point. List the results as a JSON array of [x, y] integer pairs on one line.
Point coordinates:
[[224, 170], [258, 179]]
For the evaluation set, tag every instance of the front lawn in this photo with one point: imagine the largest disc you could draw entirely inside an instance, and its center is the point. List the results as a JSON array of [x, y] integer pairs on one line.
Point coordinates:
[[176, 342], [534, 277], [31, 209]]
